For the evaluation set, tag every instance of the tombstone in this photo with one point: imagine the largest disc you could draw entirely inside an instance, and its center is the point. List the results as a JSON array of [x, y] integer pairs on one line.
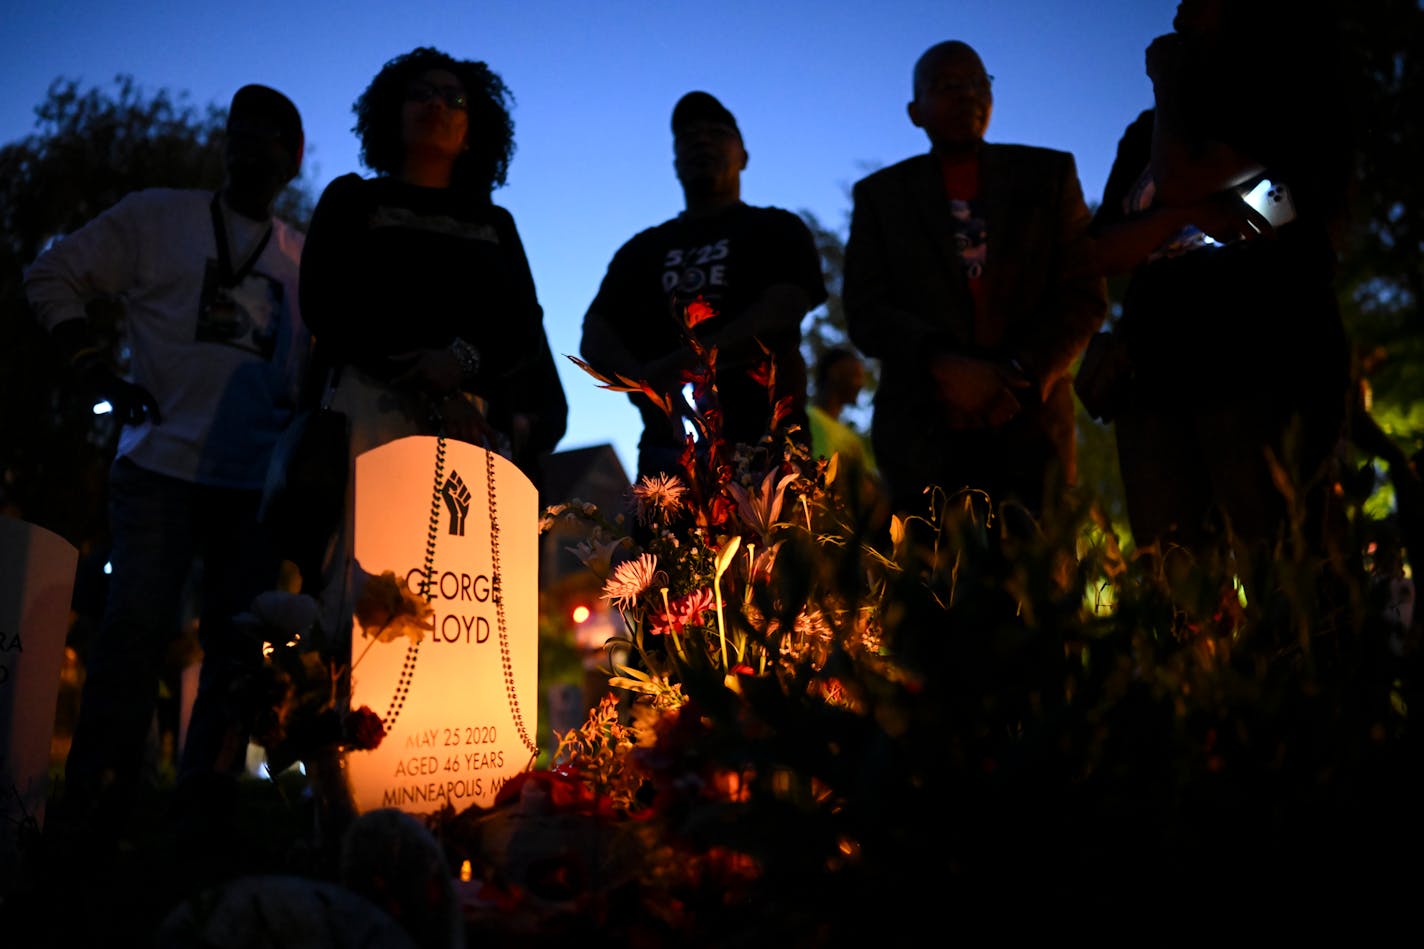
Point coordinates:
[[36, 585], [460, 707]]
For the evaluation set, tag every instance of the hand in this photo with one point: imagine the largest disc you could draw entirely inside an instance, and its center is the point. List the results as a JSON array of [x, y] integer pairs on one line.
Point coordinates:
[[132, 404], [435, 371], [1226, 217], [665, 372], [977, 393], [461, 418]]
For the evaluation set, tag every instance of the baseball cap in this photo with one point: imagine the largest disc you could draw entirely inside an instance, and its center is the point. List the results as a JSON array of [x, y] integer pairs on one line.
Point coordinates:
[[262, 102], [701, 107]]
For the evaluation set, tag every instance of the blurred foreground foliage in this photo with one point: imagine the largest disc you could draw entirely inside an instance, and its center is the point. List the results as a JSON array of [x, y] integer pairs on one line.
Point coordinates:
[[1028, 728]]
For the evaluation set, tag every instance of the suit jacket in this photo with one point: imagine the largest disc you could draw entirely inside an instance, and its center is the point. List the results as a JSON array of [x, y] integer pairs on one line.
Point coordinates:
[[906, 296]]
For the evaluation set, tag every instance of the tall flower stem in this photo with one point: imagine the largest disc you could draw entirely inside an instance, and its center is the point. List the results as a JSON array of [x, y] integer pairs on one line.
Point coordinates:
[[721, 629], [724, 559]]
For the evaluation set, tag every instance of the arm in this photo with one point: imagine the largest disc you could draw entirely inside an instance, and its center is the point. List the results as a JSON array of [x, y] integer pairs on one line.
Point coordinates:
[[602, 347], [605, 343], [1124, 239], [330, 297], [794, 284], [1189, 163], [1120, 247], [538, 411], [100, 259], [500, 336], [778, 311], [1076, 301], [875, 322]]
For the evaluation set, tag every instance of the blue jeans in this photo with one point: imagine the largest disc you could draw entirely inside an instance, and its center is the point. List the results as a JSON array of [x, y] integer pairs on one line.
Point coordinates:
[[161, 527]]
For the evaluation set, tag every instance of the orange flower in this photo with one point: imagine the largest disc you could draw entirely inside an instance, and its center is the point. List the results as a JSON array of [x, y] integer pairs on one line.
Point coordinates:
[[698, 311]]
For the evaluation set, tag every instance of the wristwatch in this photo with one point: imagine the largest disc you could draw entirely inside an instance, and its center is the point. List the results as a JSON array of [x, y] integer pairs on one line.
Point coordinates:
[[467, 356]]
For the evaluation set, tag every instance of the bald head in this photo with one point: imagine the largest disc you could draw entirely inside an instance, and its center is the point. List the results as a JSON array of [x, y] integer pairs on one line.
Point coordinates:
[[953, 98], [928, 63]]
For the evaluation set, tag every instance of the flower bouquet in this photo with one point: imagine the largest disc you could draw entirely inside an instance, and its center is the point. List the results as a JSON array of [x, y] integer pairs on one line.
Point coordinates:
[[300, 701]]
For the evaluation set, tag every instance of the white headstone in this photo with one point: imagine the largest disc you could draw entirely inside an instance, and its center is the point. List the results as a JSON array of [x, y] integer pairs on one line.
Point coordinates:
[[36, 585], [461, 708]]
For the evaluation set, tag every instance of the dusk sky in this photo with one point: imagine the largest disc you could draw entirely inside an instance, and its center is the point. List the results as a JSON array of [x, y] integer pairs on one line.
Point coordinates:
[[818, 89]]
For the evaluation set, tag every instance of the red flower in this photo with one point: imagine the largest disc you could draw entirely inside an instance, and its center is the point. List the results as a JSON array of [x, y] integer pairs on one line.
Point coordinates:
[[698, 311], [363, 729], [763, 373], [564, 787], [682, 612], [780, 411]]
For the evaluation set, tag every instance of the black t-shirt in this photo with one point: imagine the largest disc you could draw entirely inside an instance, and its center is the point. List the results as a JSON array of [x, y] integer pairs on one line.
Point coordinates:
[[389, 267], [729, 260]]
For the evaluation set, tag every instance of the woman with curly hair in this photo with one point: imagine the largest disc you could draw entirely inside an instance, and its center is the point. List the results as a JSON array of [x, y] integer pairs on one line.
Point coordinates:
[[415, 284]]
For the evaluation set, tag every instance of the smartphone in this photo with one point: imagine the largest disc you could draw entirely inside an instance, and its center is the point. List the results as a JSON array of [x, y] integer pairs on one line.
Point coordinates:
[[1272, 200]]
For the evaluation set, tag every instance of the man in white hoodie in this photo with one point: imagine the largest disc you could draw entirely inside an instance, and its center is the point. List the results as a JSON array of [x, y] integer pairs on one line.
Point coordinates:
[[215, 346]]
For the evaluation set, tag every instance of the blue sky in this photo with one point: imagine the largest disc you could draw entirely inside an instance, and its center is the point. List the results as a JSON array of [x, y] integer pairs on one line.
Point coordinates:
[[818, 89]]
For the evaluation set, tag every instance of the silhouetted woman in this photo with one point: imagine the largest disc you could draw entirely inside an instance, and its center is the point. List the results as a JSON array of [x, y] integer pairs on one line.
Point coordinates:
[[416, 284]]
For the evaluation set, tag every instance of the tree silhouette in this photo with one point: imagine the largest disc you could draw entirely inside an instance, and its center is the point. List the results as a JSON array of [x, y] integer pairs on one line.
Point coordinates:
[[1382, 277]]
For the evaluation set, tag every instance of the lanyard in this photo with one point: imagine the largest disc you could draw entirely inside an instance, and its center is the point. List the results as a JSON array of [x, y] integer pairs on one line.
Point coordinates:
[[226, 275]]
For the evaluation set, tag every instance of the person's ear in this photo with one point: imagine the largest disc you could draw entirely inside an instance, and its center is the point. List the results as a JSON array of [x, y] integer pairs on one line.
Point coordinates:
[[913, 109], [745, 156], [294, 165]]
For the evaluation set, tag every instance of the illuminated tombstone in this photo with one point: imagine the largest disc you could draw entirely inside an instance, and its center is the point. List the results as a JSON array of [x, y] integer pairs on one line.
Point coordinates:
[[461, 707], [36, 586]]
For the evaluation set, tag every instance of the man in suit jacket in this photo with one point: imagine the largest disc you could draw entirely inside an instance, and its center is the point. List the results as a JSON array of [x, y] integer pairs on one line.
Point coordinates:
[[969, 275]]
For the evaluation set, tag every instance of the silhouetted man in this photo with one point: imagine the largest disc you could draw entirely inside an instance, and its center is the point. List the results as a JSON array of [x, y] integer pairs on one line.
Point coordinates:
[[208, 282], [757, 267], [968, 275]]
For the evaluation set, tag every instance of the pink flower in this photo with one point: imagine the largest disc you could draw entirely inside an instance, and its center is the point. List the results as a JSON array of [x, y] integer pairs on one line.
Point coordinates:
[[761, 508], [630, 578], [658, 496], [683, 612]]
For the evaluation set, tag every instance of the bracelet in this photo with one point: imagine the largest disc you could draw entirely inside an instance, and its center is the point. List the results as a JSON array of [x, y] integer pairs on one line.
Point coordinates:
[[84, 358], [467, 356], [1018, 367]]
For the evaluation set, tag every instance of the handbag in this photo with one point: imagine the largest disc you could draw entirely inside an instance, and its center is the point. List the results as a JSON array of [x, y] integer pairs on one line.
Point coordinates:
[[304, 498], [1104, 376]]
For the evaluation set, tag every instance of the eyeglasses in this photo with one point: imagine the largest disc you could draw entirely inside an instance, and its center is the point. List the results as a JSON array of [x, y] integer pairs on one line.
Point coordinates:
[[247, 128], [422, 91], [960, 86]]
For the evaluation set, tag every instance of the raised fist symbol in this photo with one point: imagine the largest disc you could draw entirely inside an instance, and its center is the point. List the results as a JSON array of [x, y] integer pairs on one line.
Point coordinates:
[[457, 500]]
